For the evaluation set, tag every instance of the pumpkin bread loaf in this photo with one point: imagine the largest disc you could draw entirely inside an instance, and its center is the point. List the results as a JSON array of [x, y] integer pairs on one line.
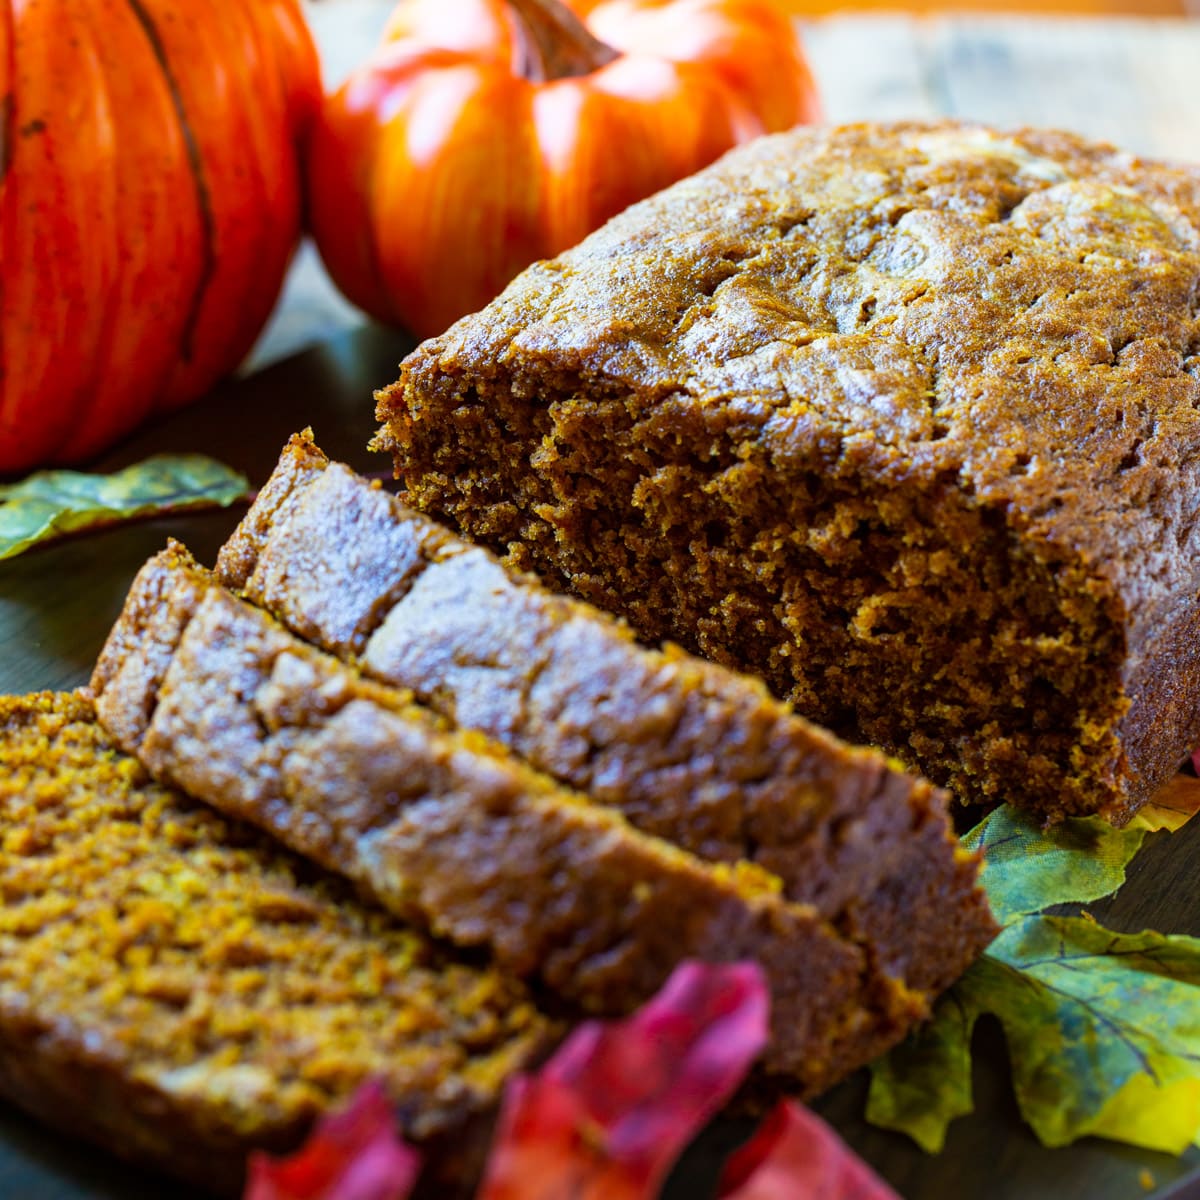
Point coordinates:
[[446, 828], [903, 418], [179, 989], [687, 750]]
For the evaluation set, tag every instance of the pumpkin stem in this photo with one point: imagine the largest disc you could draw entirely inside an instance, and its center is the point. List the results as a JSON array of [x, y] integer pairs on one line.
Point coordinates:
[[553, 43]]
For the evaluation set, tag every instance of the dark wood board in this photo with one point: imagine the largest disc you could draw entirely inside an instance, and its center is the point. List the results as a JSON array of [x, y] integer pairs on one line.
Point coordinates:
[[57, 604]]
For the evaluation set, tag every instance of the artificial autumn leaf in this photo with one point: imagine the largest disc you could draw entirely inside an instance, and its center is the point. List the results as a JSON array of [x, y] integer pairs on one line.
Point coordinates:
[[1103, 1029], [606, 1117], [1171, 807], [924, 1083], [51, 504], [1027, 868], [1103, 1033], [795, 1154], [351, 1155], [611, 1111]]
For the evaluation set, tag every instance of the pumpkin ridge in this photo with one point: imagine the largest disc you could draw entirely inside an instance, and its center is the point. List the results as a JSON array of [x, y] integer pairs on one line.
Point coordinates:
[[8, 113], [208, 229], [8, 97]]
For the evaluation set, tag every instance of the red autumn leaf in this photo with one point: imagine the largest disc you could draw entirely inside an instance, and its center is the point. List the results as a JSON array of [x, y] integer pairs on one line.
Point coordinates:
[[796, 1156], [1196, 760], [608, 1115], [354, 1154]]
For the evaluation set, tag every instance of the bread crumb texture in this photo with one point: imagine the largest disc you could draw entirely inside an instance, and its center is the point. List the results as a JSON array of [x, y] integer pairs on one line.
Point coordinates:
[[173, 983]]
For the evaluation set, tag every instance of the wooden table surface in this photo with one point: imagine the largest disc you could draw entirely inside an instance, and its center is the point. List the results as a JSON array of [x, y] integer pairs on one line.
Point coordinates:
[[1129, 80]]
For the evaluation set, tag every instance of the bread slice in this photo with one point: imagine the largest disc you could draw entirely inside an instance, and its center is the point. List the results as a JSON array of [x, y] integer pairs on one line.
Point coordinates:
[[177, 988], [685, 749], [445, 827], [904, 418]]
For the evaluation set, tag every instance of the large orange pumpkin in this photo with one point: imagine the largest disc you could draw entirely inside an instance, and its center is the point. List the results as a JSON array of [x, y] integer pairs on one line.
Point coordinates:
[[487, 133], [149, 204]]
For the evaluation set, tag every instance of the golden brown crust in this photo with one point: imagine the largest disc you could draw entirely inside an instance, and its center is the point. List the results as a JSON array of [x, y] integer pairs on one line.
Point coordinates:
[[177, 988], [904, 418]]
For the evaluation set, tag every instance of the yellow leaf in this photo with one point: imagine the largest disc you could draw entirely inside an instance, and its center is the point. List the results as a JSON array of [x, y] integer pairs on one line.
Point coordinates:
[[1171, 807], [1157, 1116]]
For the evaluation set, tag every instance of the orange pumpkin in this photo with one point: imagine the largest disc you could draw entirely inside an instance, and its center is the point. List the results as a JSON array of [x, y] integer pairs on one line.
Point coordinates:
[[487, 133], [150, 200]]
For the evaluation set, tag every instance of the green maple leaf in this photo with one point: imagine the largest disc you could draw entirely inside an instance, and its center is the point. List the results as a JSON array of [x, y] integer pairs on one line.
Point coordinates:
[[1103, 1028], [51, 504], [1027, 869]]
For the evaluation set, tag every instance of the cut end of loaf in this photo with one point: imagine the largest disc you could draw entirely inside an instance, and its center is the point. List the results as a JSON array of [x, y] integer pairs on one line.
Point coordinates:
[[893, 612]]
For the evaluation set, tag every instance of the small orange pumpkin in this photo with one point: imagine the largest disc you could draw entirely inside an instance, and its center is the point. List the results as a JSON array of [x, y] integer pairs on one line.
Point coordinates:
[[150, 200], [487, 133]]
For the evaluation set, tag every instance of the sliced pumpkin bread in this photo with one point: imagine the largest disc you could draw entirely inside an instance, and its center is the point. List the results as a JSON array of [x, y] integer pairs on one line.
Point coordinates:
[[685, 749], [446, 827]]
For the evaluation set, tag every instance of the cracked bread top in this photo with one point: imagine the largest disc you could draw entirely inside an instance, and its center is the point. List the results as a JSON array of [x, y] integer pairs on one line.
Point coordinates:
[[1013, 314]]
